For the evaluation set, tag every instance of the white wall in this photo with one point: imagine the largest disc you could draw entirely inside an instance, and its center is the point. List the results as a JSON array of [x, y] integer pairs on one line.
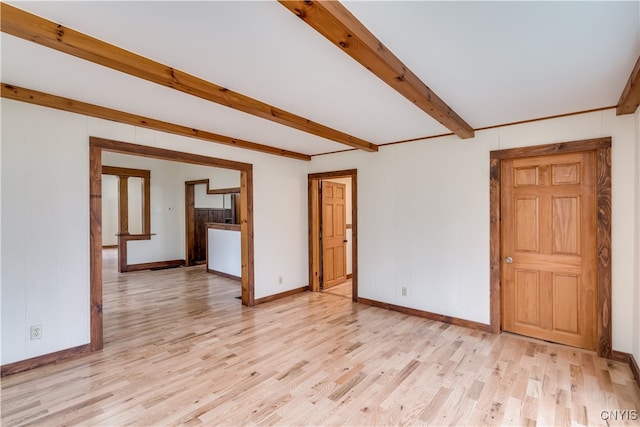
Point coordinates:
[[167, 208], [1, 226], [134, 204], [204, 200], [45, 221], [45, 230], [224, 251], [167, 203], [110, 210], [423, 206], [424, 216], [636, 309], [279, 202], [224, 178]]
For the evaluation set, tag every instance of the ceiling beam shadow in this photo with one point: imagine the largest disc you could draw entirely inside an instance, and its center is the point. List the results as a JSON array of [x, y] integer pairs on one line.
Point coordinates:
[[52, 101], [630, 97], [336, 23], [30, 27]]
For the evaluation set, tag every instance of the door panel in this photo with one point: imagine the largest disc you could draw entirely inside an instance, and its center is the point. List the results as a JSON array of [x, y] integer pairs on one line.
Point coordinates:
[[527, 290], [527, 217], [525, 176], [566, 288], [334, 261], [566, 225], [548, 228]]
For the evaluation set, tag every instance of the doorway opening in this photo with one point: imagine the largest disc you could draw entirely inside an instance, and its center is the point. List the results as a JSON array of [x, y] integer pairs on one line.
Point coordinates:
[[133, 214], [225, 211], [96, 147], [563, 219], [333, 233]]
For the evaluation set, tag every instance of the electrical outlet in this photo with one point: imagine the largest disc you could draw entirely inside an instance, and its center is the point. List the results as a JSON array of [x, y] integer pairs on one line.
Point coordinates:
[[404, 291], [280, 280], [36, 332]]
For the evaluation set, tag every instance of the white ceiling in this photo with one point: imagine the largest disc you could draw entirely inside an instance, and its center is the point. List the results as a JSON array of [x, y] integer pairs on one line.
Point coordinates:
[[492, 62]]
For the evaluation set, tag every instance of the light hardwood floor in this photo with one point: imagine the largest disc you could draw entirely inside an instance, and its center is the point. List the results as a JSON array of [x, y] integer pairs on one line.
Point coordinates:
[[343, 290], [181, 350]]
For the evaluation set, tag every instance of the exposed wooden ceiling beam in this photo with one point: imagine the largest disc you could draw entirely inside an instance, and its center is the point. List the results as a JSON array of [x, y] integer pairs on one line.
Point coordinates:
[[39, 30], [630, 97], [66, 104], [336, 23]]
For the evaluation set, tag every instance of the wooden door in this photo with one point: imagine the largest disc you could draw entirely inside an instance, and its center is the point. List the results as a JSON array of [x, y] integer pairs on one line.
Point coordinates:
[[549, 260], [200, 235], [333, 234]]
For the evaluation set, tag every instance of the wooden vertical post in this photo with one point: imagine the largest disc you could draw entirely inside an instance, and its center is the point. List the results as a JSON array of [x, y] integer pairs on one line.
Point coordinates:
[[354, 235], [123, 212], [494, 251], [246, 236], [314, 237], [146, 205], [190, 226], [95, 246], [603, 243]]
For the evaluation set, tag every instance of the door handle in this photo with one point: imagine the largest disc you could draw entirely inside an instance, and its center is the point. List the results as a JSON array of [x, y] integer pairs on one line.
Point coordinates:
[[508, 260], [345, 241]]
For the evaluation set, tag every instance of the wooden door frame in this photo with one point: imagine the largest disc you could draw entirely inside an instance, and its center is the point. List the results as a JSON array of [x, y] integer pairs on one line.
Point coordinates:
[[190, 212], [602, 148], [123, 174], [314, 227], [189, 218], [96, 146]]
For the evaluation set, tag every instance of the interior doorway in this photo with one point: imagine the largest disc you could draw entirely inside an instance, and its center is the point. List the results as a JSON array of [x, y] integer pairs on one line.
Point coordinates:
[[333, 233], [132, 205], [333, 238], [551, 243], [96, 147], [197, 217]]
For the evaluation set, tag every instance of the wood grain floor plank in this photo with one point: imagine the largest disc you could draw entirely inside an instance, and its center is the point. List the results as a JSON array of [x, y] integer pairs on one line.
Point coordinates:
[[180, 349]]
